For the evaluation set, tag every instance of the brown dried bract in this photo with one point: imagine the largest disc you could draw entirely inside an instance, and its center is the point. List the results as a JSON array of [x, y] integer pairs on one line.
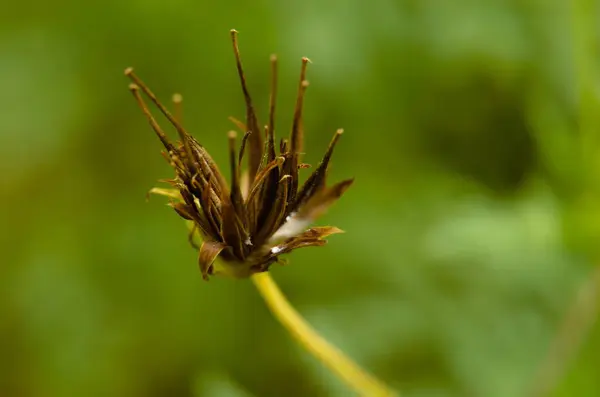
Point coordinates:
[[262, 213]]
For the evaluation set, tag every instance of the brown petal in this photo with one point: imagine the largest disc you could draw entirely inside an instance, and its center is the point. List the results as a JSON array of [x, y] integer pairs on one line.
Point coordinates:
[[269, 255], [209, 167], [260, 177], [311, 237], [260, 199], [231, 229], [207, 211], [236, 193], [208, 253], [316, 180], [183, 210], [295, 243], [320, 232], [322, 200], [276, 213]]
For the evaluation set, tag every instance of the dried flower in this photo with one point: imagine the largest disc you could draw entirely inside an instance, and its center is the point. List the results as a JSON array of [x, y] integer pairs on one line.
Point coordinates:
[[262, 213]]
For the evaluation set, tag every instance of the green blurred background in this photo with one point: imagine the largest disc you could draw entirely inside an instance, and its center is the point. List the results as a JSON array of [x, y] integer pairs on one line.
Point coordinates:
[[471, 129]]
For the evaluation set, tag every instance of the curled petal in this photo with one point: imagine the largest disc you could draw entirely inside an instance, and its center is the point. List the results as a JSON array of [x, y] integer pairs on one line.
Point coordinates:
[[295, 243], [208, 253], [320, 232], [183, 210], [232, 229], [322, 200], [171, 193], [316, 181], [311, 237]]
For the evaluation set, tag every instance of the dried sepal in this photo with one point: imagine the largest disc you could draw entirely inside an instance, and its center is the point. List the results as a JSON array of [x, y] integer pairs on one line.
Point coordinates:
[[209, 250]]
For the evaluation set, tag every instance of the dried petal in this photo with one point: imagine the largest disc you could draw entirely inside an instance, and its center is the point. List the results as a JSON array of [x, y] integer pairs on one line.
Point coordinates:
[[277, 212], [316, 180], [323, 199], [292, 244], [207, 255], [320, 232], [260, 199], [230, 230], [298, 222], [171, 193], [183, 210]]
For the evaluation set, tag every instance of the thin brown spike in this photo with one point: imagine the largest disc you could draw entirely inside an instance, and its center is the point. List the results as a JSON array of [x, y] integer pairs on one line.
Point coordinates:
[[177, 107], [135, 90], [267, 136], [283, 145], [317, 179], [243, 147], [238, 60], [297, 136], [331, 146], [272, 102], [235, 172], [261, 176], [256, 146], [183, 135], [231, 136], [236, 193]]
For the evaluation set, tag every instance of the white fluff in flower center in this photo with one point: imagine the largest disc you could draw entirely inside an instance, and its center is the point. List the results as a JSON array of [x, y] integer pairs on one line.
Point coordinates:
[[276, 250], [291, 228]]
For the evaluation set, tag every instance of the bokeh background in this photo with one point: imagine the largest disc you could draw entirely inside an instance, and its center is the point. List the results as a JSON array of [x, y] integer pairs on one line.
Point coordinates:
[[468, 264]]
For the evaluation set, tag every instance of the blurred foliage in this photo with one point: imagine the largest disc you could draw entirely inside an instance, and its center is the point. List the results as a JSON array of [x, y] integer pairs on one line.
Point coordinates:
[[472, 133]]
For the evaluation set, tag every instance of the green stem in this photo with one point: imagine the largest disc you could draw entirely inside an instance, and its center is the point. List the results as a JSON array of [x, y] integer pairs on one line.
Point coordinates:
[[355, 377]]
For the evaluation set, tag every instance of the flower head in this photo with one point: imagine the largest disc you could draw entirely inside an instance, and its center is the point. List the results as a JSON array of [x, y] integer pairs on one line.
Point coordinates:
[[263, 212]]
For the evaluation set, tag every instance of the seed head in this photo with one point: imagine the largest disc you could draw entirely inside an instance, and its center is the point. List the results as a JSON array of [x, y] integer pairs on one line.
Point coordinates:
[[263, 212]]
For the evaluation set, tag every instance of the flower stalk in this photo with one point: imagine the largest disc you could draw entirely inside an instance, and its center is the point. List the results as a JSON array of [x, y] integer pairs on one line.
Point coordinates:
[[359, 380]]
